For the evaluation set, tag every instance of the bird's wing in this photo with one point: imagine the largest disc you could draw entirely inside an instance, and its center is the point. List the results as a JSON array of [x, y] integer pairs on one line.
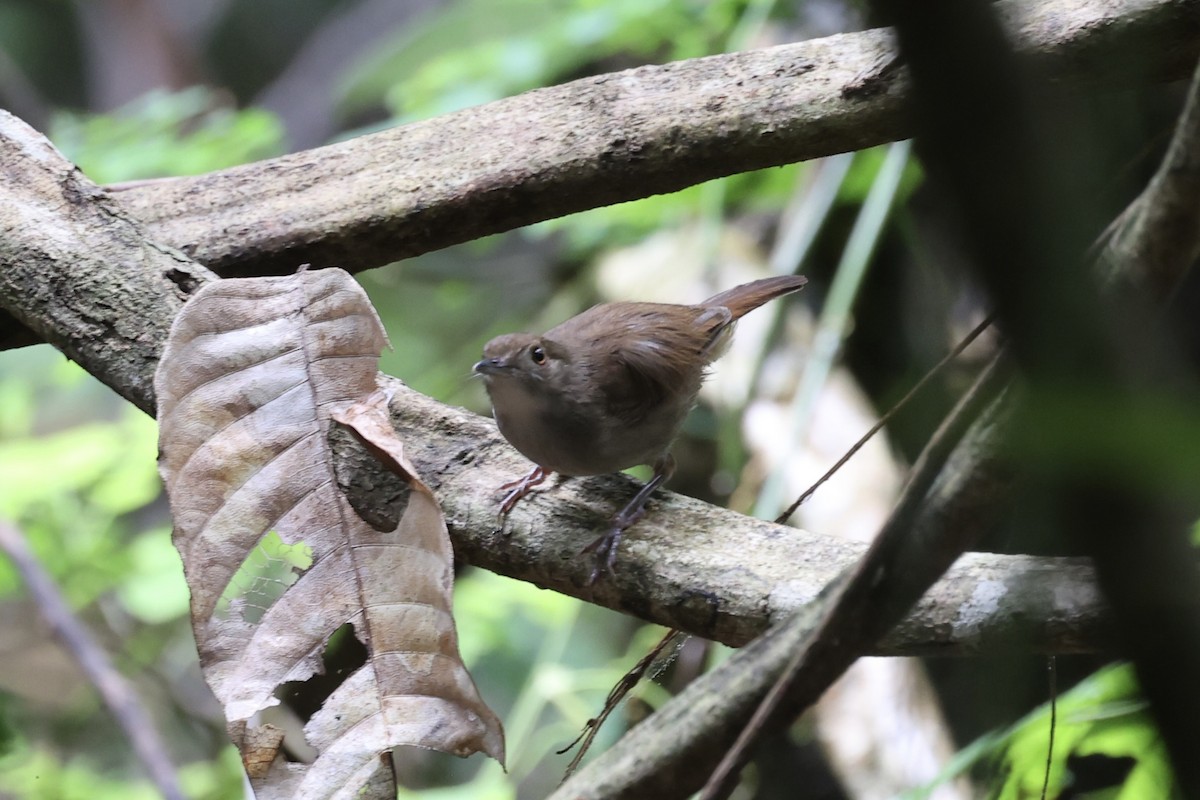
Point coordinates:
[[660, 359]]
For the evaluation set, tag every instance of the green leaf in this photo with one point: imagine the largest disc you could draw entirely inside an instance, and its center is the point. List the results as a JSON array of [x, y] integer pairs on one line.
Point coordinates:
[[1103, 715], [35, 470], [130, 480], [154, 590]]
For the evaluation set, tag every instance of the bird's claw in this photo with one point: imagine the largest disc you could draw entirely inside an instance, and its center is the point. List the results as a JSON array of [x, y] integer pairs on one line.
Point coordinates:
[[605, 548], [516, 490]]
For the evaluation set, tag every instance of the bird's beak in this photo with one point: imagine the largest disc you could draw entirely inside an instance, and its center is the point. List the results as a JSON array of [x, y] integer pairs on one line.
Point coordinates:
[[489, 366]]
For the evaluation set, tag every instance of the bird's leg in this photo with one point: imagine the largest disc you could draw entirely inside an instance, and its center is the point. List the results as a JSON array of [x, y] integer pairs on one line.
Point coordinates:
[[519, 488], [605, 547]]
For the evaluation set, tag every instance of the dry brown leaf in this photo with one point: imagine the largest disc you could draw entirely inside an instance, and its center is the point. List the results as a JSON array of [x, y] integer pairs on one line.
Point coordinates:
[[276, 558]]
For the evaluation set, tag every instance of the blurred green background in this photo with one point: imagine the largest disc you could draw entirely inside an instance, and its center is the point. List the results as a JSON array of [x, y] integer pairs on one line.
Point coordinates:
[[137, 89]]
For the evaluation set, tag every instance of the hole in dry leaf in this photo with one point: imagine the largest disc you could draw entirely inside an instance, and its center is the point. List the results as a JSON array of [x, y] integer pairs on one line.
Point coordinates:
[[380, 496], [344, 654], [270, 568]]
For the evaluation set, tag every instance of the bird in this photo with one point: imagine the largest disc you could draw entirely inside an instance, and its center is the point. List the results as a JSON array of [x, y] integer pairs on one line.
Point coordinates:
[[609, 388]]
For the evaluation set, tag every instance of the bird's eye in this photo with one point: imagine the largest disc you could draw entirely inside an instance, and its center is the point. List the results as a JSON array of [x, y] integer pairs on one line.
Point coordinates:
[[538, 355]]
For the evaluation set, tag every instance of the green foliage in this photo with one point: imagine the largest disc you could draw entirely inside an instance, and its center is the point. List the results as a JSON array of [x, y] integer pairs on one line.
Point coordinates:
[[264, 576], [475, 51], [163, 134], [625, 223], [81, 484], [69, 489], [863, 172], [39, 774], [1103, 715], [153, 590], [561, 655]]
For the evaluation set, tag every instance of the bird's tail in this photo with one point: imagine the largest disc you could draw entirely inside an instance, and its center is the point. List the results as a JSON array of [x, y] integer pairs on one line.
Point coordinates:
[[741, 300]]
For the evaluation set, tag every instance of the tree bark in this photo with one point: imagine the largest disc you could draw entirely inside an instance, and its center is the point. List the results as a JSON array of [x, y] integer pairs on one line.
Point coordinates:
[[615, 137]]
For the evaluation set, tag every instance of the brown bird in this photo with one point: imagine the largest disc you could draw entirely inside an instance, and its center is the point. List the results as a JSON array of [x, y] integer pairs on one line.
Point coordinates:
[[608, 389]]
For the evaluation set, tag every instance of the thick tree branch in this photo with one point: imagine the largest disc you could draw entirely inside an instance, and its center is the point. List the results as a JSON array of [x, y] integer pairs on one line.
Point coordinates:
[[612, 138], [712, 571], [79, 272], [83, 275]]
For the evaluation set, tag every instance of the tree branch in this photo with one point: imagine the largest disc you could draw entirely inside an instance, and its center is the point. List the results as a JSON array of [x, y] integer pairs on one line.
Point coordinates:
[[82, 274], [708, 570], [612, 138]]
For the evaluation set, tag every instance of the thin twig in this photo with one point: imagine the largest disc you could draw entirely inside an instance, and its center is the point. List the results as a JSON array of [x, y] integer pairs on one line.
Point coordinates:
[[891, 412], [114, 690], [618, 693], [1052, 668]]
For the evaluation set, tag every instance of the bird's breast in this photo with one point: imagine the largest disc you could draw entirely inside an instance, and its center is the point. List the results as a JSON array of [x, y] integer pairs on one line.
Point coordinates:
[[570, 437]]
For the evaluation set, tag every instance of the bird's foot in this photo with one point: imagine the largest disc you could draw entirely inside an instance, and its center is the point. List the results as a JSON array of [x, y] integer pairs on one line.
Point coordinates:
[[605, 547], [516, 490]]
